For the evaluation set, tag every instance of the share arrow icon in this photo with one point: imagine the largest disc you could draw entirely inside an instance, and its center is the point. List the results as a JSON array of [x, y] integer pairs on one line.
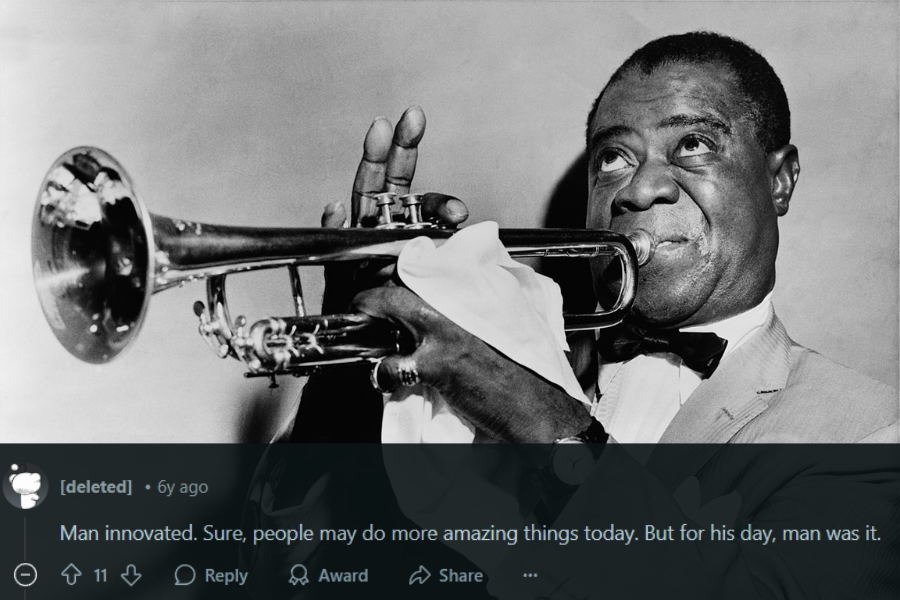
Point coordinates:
[[131, 575], [420, 576]]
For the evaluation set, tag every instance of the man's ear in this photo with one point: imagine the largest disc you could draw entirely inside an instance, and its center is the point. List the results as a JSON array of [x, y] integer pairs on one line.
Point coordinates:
[[784, 169]]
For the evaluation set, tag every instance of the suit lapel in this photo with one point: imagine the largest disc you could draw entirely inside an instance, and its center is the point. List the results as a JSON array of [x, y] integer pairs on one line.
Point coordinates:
[[737, 393]]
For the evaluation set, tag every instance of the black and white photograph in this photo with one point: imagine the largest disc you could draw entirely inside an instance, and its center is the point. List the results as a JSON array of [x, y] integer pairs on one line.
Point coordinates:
[[594, 229]]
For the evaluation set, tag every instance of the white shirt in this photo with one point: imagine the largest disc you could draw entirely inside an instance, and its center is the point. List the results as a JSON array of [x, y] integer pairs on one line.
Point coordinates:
[[637, 399]]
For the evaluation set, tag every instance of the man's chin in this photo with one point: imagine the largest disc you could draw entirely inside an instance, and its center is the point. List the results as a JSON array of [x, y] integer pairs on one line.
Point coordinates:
[[665, 298], [661, 312]]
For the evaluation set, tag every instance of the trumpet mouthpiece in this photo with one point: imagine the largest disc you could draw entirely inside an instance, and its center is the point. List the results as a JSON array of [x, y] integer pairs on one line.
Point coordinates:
[[643, 245]]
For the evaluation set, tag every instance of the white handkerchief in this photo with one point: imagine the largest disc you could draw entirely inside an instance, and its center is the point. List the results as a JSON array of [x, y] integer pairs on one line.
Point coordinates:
[[472, 280]]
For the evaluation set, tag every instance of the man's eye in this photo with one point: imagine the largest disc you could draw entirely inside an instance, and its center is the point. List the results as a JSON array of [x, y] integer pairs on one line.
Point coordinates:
[[612, 161], [693, 146]]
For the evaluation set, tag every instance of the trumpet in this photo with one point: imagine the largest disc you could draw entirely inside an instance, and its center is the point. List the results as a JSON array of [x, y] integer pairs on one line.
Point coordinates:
[[99, 256]]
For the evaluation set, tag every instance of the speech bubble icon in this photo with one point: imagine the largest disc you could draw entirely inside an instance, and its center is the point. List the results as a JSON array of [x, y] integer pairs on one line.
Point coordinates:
[[185, 575]]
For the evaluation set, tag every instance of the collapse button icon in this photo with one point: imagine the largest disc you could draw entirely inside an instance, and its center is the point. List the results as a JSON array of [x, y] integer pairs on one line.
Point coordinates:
[[25, 574]]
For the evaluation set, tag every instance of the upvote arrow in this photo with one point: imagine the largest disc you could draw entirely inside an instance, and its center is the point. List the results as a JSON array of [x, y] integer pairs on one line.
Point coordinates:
[[131, 575], [71, 574]]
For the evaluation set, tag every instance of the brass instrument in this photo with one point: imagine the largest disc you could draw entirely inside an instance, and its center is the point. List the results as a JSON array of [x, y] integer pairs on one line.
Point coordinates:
[[99, 255]]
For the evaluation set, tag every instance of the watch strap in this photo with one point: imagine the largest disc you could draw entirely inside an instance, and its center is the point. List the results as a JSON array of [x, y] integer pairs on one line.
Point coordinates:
[[594, 434]]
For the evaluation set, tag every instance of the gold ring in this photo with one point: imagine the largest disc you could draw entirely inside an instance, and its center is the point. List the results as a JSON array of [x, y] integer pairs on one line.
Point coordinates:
[[407, 371]]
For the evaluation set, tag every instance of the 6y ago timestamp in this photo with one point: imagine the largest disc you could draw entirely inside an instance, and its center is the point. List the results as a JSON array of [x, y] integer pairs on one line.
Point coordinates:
[[189, 489]]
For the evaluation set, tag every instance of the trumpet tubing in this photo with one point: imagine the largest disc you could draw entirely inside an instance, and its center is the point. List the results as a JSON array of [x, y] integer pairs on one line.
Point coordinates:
[[98, 256]]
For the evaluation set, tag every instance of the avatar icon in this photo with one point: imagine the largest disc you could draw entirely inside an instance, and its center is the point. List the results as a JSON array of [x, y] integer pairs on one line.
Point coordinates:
[[22, 485]]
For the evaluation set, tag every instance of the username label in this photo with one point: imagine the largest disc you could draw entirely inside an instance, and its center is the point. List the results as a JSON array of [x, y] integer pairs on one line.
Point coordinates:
[[67, 487]]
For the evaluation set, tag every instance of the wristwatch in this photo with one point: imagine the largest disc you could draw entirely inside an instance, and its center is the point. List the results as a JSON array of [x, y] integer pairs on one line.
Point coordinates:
[[571, 461], [572, 458]]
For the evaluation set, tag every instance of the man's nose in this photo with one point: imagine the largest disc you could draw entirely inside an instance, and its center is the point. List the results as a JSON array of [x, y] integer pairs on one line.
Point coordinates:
[[651, 183]]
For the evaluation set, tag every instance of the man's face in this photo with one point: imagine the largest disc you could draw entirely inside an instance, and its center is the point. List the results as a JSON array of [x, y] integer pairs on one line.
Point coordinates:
[[674, 154]]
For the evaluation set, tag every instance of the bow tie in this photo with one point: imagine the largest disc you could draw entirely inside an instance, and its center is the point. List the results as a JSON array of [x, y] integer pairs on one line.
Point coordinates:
[[700, 352]]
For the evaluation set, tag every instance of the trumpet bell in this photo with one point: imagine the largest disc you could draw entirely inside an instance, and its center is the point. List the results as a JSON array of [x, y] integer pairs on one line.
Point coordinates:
[[91, 254]]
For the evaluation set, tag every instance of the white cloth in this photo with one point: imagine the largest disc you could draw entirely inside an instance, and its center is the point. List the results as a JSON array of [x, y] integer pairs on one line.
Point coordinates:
[[640, 397], [472, 280]]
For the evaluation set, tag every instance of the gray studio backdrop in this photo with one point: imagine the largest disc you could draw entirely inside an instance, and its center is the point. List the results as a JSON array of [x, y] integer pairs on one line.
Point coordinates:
[[253, 114]]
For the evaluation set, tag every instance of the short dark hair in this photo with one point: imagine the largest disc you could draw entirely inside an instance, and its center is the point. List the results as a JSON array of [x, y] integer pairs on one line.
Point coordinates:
[[765, 100]]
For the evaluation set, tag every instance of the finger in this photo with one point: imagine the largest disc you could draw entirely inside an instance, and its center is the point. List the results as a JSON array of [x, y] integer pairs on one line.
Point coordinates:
[[370, 175], [398, 305], [334, 215], [401, 161], [449, 211]]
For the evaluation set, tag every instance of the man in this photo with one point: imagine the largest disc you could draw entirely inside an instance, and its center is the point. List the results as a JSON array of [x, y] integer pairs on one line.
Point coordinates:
[[689, 141]]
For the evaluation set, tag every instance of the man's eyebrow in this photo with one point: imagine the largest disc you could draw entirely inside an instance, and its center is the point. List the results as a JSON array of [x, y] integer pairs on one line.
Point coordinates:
[[608, 132], [693, 120]]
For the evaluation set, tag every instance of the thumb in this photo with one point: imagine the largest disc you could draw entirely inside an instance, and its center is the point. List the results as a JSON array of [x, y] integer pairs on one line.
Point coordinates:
[[448, 211]]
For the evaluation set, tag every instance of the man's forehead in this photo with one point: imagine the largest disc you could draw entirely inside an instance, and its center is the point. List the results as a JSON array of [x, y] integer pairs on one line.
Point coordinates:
[[671, 95]]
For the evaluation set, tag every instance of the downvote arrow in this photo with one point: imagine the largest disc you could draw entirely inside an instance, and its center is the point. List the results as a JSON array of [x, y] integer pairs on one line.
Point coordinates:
[[131, 575]]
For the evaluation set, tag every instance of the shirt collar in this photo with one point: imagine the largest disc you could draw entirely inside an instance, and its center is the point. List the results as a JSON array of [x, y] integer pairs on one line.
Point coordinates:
[[738, 329]]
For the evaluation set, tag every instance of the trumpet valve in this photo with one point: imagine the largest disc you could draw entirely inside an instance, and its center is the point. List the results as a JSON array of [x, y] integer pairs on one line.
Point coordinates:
[[385, 201], [413, 205]]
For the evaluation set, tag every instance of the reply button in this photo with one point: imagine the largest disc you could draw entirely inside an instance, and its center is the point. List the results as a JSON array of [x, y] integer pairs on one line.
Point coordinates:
[[225, 577]]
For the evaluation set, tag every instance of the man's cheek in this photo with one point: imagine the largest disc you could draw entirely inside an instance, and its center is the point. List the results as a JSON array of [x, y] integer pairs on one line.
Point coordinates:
[[599, 211]]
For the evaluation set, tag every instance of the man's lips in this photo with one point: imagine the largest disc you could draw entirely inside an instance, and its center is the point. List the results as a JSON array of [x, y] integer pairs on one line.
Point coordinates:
[[660, 237], [665, 240], [668, 239], [671, 241], [672, 246]]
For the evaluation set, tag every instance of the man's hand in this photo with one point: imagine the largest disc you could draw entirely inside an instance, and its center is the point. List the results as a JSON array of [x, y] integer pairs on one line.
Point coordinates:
[[388, 165], [499, 396]]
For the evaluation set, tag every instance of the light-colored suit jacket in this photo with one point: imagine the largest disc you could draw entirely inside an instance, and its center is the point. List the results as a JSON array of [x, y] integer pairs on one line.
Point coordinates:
[[778, 438], [772, 390]]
